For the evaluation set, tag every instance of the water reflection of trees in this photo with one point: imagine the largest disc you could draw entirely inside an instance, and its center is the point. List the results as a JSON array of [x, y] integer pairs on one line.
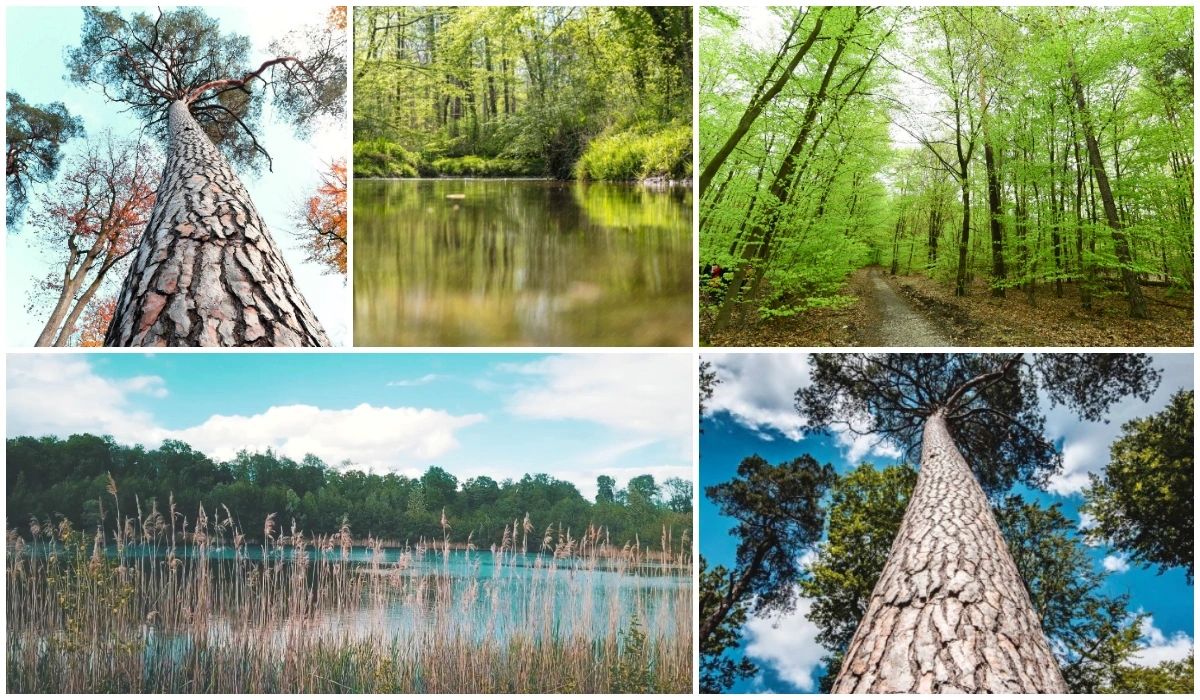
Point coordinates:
[[520, 261]]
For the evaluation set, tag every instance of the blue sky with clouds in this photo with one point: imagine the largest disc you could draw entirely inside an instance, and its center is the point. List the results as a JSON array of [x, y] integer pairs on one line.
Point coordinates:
[[573, 416], [752, 412], [35, 41]]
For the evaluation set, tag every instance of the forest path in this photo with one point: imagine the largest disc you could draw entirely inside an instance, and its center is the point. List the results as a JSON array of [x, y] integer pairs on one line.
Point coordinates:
[[898, 324]]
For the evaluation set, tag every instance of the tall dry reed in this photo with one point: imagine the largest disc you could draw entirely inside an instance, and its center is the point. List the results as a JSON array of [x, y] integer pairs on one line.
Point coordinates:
[[153, 602]]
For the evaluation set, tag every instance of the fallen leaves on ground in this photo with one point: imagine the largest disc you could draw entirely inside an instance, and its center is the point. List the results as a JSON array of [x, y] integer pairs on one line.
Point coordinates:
[[980, 319]]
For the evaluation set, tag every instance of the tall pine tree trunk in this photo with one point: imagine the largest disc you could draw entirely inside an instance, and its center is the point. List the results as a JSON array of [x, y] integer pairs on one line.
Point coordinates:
[[950, 612], [207, 272]]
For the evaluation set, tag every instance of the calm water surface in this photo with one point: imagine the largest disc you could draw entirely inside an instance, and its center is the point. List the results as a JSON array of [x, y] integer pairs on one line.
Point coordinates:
[[473, 262], [478, 596]]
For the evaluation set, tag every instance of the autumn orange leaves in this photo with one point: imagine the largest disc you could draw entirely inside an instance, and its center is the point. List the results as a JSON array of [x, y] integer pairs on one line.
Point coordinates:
[[321, 221]]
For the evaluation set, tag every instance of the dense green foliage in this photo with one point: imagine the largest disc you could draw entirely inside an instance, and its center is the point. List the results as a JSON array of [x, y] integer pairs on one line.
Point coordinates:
[[382, 159], [865, 510], [33, 137], [1143, 502], [1034, 148], [1093, 634], [779, 513], [590, 92], [719, 672], [55, 477], [148, 61], [633, 156], [1175, 677]]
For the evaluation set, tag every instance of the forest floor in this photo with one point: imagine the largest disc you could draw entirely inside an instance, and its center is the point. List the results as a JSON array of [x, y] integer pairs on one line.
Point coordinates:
[[853, 325], [914, 310], [980, 319]]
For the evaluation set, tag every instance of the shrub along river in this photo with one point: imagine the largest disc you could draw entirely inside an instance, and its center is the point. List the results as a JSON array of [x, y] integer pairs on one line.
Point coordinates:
[[478, 262]]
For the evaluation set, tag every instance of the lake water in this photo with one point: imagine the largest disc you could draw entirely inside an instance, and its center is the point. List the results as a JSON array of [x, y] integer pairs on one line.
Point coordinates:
[[475, 262], [475, 596]]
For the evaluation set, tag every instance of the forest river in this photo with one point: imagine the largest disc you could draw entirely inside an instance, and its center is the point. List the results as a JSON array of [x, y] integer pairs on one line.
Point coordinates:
[[478, 262]]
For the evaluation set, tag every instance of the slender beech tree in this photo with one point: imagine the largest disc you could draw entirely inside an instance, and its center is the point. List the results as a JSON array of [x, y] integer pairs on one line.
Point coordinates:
[[759, 246], [960, 62], [950, 612], [770, 86], [207, 271], [1137, 303]]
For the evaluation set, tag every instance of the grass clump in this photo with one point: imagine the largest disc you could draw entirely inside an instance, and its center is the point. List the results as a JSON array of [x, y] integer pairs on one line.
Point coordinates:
[[384, 159], [477, 166], [666, 153]]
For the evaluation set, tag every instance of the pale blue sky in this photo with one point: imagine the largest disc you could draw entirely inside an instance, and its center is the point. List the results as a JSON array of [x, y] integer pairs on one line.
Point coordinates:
[[35, 41], [572, 416]]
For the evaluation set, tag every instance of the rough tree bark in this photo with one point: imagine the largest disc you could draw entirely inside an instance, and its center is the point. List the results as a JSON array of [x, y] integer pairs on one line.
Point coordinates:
[[207, 272], [950, 612]]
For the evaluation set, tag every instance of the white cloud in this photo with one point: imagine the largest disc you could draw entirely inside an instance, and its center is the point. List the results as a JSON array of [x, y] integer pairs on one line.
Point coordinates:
[[150, 384], [1159, 647], [1085, 445], [856, 447], [1115, 564], [787, 645], [638, 394], [375, 436], [1087, 521], [61, 395], [40, 387], [759, 390], [419, 381]]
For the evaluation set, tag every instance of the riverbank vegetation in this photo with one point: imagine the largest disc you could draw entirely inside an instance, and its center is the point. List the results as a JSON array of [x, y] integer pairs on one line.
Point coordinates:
[[1037, 157], [599, 93]]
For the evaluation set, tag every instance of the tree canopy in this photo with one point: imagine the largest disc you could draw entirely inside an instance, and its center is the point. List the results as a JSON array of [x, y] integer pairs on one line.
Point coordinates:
[[1143, 501], [89, 220], [321, 221], [149, 61], [990, 402], [49, 477], [778, 512], [33, 139]]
